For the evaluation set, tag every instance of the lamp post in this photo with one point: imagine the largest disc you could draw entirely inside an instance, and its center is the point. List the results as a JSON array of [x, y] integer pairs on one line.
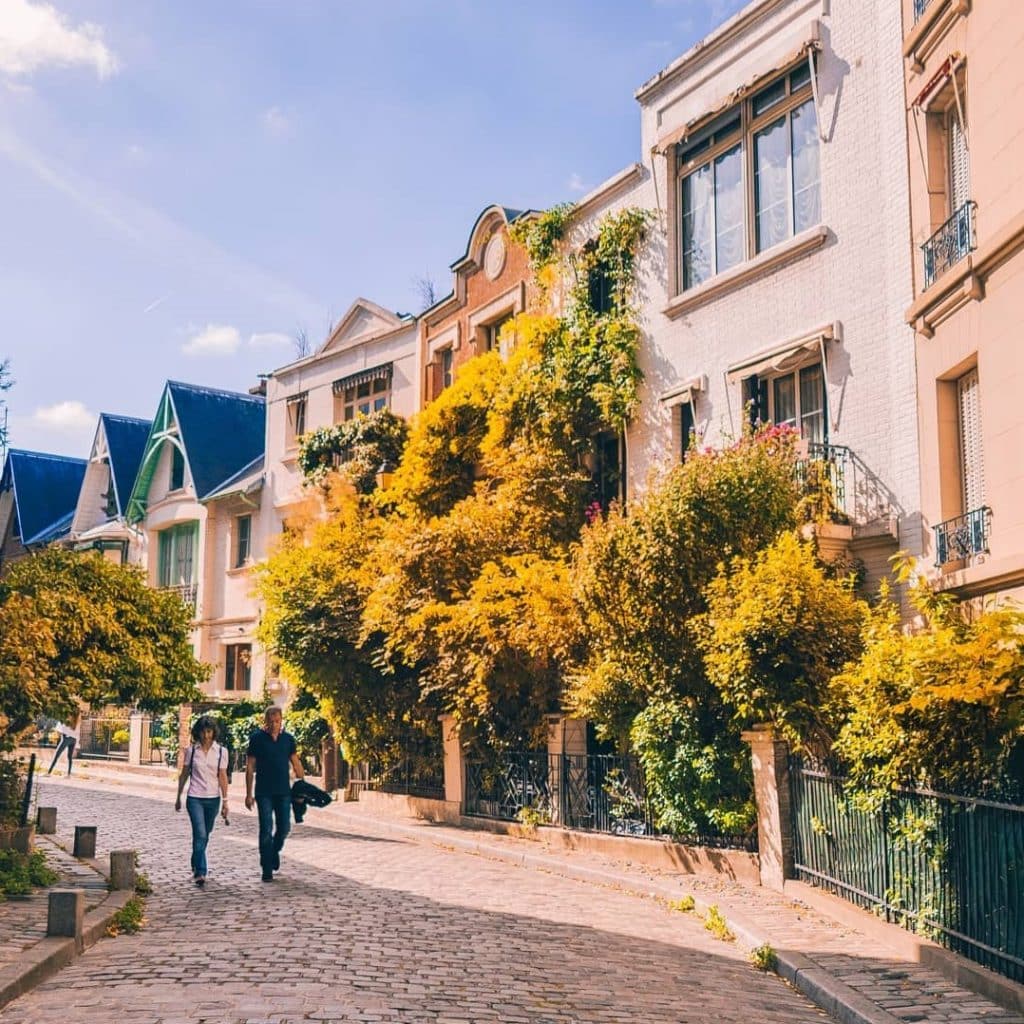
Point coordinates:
[[385, 474]]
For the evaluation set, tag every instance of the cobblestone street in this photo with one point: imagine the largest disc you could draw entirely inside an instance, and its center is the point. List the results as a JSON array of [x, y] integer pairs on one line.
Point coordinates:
[[367, 927]]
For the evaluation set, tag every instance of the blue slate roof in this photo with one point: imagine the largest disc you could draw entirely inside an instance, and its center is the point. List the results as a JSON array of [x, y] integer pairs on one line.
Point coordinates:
[[126, 441], [222, 432], [45, 492]]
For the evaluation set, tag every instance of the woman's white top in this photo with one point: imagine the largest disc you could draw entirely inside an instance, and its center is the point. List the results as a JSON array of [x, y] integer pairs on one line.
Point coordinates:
[[73, 731], [205, 765]]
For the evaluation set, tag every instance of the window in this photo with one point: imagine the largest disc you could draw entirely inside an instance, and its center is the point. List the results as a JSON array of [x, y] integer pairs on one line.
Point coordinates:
[[362, 393], [750, 179], [972, 464], [609, 478], [243, 540], [959, 170], [176, 566], [237, 666], [687, 424], [296, 418], [600, 284], [493, 333], [794, 399], [109, 496], [446, 368], [177, 469]]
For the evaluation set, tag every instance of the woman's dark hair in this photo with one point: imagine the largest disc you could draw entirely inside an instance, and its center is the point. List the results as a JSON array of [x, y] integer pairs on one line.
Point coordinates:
[[201, 723]]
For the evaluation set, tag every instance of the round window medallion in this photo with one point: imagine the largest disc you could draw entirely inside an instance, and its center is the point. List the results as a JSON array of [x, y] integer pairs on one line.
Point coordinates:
[[494, 256]]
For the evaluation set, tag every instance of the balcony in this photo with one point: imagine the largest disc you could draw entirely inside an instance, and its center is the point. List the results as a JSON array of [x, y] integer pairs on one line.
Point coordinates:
[[962, 537], [187, 593], [950, 244], [838, 487]]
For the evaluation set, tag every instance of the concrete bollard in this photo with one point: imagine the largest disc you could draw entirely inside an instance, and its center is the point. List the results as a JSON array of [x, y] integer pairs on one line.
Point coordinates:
[[46, 821], [122, 869], [65, 913], [85, 841]]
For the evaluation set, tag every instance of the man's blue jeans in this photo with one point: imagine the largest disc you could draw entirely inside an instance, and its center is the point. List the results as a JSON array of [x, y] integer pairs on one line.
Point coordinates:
[[202, 812], [273, 810]]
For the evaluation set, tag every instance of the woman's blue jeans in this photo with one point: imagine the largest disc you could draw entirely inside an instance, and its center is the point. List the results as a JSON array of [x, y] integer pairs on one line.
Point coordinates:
[[202, 812]]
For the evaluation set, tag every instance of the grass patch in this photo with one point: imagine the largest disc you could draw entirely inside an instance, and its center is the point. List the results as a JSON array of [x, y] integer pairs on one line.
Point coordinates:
[[716, 924], [20, 873], [684, 905], [143, 886], [763, 958], [129, 919]]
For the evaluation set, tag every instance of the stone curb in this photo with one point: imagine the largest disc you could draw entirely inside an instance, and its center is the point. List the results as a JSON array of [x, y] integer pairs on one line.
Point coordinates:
[[49, 955], [825, 991]]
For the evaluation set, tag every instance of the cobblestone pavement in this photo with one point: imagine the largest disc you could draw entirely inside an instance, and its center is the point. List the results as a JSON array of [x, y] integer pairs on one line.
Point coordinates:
[[365, 926]]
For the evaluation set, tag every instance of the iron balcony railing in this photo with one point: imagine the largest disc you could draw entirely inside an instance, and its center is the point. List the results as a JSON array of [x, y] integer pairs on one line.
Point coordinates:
[[186, 591], [919, 8], [823, 474], [950, 244], [962, 536]]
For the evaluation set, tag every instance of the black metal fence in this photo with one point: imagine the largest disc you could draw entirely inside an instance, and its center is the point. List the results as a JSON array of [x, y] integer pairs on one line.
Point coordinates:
[[948, 867], [421, 776], [104, 737], [591, 792]]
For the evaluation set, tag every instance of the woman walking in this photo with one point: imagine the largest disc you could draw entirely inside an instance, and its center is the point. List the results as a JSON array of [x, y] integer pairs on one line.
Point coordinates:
[[70, 733], [206, 770]]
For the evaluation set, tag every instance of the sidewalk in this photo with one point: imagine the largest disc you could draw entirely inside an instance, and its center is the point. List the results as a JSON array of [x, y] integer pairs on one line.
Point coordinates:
[[858, 969]]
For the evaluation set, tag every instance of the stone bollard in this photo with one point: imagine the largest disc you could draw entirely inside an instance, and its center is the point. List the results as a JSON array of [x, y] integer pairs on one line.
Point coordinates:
[[85, 841], [65, 913], [46, 821], [122, 869]]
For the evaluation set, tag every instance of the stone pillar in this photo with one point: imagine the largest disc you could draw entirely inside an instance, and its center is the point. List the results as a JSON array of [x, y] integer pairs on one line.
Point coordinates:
[[65, 913], [770, 758], [85, 841], [122, 869], [138, 738], [46, 821], [454, 762], [567, 767]]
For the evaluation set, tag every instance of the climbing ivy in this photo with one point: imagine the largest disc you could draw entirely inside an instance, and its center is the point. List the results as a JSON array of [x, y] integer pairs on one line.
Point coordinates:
[[355, 449]]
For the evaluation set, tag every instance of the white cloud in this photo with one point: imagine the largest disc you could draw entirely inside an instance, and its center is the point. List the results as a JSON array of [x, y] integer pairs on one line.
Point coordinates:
[[65, 416], [277, 123], [213, 340], [34, 36], [269, 339], [577, 184]]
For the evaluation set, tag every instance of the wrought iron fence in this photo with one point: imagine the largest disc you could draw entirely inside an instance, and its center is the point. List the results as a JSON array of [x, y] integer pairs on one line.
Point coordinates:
[[411, 775], [104, 737], [962, 536], [949, 867], [950, 244], [825, 472], [502, 787], [187, 592]]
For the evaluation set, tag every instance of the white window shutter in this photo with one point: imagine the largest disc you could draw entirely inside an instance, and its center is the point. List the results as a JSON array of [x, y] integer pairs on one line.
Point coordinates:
[[972, 460], [959, 164]]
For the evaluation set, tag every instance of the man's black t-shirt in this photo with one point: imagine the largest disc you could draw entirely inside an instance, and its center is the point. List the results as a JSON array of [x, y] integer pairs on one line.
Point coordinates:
[[272, 760]]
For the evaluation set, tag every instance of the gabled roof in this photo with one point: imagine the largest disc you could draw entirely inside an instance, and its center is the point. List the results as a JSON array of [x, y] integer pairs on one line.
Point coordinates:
[[510, 216], [362, 321], [219, 432], [45, 492], [246, 481], [126, 442]]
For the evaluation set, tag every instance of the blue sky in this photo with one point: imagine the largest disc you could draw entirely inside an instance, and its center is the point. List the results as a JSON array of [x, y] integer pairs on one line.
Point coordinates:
[[185, 185]]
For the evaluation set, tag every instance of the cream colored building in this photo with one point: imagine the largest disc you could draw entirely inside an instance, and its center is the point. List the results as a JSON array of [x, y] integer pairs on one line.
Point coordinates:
[[965, 134], [776, 278], [369, 362]]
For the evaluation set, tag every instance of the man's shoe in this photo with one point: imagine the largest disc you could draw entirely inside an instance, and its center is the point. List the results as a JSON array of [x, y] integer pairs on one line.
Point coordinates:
[[268, 875], [200, 880]]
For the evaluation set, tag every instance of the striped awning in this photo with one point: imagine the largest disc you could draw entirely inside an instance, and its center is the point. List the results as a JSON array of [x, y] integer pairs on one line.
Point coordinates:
[[382, 372], [297, 399]]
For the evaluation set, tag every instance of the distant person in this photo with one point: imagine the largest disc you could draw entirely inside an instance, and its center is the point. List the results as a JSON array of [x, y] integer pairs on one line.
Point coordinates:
[[271, 753], [206, 769], [70, 733]]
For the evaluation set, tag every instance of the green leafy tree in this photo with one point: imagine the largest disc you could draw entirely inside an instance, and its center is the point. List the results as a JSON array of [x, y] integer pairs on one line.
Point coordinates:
[[640, 581], [354, 450], [96, 634], [942, 707], [777, 628]]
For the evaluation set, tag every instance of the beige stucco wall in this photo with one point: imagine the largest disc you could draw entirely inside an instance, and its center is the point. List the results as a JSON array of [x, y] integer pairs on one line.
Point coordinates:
[[971, 316]]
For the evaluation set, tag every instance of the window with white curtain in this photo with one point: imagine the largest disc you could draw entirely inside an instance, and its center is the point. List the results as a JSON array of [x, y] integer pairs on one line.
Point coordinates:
[[750, 179], [972, 463], [959, 162]]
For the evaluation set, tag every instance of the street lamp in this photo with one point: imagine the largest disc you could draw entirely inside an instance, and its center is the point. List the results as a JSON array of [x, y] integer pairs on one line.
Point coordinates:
[[385, 474]]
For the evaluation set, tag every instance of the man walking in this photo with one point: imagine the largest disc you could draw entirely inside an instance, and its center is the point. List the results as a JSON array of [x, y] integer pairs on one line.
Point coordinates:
[[271, 752]]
